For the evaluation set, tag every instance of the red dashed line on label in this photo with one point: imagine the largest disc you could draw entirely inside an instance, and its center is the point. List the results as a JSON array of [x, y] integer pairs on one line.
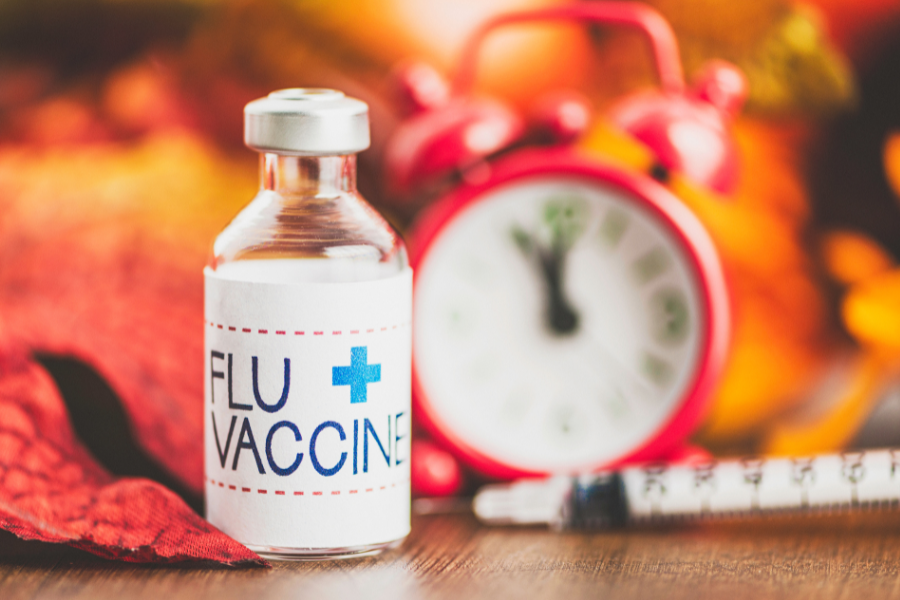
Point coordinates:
[[323, 332], [302, 493]]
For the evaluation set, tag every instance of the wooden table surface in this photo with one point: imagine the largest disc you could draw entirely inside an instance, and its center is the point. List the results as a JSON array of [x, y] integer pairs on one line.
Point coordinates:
[[451, 556]]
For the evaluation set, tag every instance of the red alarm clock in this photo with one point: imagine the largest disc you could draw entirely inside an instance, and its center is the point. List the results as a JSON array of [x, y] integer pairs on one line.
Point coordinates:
[[569, 314]]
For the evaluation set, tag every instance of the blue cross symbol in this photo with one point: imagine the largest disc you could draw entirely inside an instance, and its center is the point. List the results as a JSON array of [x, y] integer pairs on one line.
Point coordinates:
[[357, 375]]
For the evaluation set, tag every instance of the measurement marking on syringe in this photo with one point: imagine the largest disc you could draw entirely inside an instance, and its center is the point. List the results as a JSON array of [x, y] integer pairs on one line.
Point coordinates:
[[728, 489]]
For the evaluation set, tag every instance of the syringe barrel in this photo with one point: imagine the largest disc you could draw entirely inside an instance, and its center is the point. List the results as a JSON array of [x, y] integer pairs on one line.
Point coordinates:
[[827, 482]]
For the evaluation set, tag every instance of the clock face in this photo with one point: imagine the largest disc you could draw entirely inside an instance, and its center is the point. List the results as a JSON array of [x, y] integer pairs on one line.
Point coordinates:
[[559, 323]]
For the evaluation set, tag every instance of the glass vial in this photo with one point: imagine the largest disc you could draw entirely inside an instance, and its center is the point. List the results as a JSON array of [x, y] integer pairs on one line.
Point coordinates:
[[308, 311]]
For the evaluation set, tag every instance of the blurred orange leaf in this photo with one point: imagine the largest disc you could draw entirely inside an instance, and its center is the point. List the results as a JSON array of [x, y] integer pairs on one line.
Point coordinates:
[[851, 257], [101, 254]]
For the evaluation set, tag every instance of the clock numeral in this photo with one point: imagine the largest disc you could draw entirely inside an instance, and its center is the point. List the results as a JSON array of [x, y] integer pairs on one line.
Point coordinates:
[[651, 265], [613, 227], [483, 370], [616, 405], [460, 320], [564, 217], [457, 321], [565, 424], [670, 317], [515, 408], [656, 369], [474, 271]]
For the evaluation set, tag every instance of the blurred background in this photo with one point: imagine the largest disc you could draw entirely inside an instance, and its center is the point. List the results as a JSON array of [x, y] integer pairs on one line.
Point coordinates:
[[121, 157]]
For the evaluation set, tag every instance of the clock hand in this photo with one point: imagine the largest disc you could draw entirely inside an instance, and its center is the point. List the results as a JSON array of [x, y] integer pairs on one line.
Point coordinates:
[[561, 317], [611, 361]]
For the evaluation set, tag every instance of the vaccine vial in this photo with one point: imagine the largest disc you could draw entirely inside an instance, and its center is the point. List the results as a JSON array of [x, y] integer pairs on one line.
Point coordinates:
[[308, 305]]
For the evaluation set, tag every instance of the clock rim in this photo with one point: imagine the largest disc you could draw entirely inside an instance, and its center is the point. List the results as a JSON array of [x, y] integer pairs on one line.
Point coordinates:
[[684, 226]]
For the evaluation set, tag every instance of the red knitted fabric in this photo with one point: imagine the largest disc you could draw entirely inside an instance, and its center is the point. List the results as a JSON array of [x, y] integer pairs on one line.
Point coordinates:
[[101, 262], [52, 490]]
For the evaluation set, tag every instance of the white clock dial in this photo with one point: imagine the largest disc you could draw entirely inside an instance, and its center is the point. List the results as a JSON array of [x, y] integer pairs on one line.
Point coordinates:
[[558, 324]]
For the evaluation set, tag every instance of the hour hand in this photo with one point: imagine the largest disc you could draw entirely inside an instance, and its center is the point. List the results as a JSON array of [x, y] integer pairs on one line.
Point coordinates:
[[561, 317]]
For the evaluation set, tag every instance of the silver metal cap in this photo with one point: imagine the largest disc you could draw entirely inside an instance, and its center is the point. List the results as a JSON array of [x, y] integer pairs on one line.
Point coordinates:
[[307, 122]]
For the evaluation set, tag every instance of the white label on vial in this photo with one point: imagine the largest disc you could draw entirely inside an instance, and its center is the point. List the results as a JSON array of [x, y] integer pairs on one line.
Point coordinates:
[[307, 411]]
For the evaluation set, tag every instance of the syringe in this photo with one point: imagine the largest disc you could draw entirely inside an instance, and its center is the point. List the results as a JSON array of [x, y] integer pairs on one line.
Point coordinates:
[[716, 489]]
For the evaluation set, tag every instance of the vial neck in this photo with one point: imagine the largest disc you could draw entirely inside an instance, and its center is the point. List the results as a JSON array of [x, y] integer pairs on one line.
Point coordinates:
[[308, 175]]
